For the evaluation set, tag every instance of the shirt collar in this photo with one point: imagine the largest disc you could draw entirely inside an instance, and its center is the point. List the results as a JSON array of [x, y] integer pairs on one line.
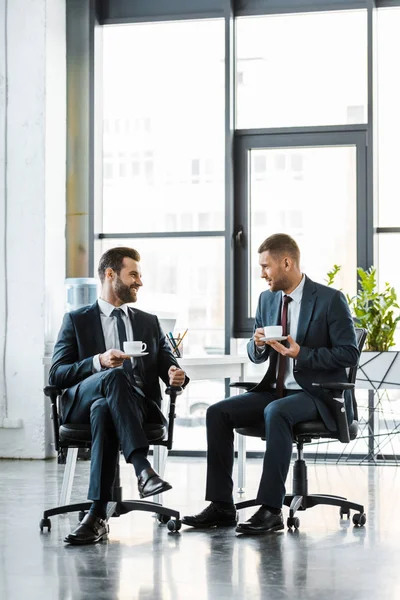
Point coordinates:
[[297, 293], [106, 308]]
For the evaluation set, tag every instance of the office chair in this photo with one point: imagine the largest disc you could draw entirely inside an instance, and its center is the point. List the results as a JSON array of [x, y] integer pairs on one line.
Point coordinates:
[[303, 433], [73, 437]]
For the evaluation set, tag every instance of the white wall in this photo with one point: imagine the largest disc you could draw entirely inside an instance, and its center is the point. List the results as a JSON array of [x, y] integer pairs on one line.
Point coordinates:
[[32, 209]]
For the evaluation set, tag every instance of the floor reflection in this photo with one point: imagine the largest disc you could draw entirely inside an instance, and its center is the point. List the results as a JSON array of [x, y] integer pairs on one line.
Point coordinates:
[[326, 558]]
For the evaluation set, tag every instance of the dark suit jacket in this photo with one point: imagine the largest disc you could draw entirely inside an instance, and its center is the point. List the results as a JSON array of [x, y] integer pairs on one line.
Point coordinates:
[[81, 338], [327, 341]]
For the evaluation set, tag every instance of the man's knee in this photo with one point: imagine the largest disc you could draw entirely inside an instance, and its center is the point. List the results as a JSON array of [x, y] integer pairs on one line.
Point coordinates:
[[116, 378], [99, 409], [213, 412], [273, 411]]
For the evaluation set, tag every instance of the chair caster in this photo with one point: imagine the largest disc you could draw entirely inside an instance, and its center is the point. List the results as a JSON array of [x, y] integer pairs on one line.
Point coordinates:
[[174, 525], [164, 519], [359, 519], [345, 512], [45, 523], [82, 515], [293, 522]]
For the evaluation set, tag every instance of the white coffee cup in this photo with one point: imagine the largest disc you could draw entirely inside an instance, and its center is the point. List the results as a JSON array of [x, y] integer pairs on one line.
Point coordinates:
[[273, 331], [134, 347]]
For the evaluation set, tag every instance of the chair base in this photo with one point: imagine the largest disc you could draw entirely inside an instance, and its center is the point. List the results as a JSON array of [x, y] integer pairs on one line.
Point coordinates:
[[115, 509], [301, 503]]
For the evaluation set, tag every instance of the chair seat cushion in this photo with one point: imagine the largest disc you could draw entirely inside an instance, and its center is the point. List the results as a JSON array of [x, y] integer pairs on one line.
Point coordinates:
[[71, 434], [307, 428]]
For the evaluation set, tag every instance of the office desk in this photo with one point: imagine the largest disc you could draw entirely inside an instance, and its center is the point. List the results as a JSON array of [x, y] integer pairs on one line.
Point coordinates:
[[214, 367]]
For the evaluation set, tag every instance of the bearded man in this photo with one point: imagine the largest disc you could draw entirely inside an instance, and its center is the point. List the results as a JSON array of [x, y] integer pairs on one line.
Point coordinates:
[[109, 390]]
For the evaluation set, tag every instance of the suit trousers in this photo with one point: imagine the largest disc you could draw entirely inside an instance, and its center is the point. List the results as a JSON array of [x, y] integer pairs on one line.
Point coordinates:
[[245, 410], [116, 412]]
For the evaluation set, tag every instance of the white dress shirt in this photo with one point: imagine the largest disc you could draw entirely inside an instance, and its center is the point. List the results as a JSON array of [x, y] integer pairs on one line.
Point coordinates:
[[110, 330], [289, 382]]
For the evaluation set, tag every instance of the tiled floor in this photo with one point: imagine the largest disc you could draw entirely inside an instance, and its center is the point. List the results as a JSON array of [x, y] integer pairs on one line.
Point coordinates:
[[326, 559]]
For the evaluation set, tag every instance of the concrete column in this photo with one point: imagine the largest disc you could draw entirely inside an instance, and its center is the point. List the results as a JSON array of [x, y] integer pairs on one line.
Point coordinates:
[[32, 214]]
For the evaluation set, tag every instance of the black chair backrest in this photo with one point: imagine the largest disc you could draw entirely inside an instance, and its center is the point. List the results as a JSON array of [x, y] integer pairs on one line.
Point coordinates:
[[361, 336]]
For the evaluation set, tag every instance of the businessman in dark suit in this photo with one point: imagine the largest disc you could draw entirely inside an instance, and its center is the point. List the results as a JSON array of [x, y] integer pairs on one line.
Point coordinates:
[[104, 387], [321, 345]]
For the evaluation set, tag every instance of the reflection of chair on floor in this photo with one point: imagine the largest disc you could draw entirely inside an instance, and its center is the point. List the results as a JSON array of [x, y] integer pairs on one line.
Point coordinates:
[[303, 433], [73, 437]]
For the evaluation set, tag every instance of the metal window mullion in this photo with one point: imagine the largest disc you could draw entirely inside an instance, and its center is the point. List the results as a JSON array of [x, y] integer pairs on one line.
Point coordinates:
[[229, 166], [159, 234]]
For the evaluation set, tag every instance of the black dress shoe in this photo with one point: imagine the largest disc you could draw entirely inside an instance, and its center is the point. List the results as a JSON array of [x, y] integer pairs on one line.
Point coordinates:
[[212, 516], [89, 531], [149, 483], [262, 521]]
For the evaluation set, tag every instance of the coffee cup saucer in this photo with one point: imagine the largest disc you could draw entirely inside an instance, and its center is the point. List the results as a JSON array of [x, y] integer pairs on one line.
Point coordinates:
[[135, 354], [274, 338]]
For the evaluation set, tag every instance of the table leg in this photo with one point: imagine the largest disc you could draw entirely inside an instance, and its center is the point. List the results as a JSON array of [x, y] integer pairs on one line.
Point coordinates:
[[241, 451]]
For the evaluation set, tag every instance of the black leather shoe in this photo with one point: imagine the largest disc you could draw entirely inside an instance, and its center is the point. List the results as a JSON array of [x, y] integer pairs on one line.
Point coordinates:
[[261, 522], [89, 531], [212, 516], [149, 483]]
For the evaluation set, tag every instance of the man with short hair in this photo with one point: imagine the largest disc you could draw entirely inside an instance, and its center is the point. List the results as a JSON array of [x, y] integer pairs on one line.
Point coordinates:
[[320, 346], [104, 387]]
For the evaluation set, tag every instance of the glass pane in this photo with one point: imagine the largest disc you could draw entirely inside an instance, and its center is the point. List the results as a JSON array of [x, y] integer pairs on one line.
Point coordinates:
[[183, 279], [309, 193], [388, 247], [302, 69], [388, 117], [163, 134]]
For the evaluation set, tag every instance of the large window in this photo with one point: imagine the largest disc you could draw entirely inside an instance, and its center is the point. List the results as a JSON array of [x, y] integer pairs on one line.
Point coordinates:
[[295, 189], [302, 161], [387, 155], [302, 69], [163, 127], [163, 168]]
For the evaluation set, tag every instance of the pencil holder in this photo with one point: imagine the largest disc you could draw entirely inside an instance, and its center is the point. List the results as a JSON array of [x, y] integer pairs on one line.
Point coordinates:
[[176, 346]]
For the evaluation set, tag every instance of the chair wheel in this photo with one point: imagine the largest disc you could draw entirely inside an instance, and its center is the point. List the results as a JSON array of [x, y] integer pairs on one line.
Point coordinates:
[[164, 519], [45, 523], [343, 512], [293, 522], [359, 519], [174, 525], [82, 515]]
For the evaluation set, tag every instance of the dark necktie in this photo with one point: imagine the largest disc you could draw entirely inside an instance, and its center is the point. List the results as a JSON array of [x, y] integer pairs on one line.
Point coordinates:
[[283, 359], [117, 312]]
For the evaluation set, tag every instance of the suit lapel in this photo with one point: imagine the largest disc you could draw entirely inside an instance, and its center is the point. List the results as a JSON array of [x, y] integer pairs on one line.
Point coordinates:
[[137, 330], [306, 309], [96, 329], [274, 313]]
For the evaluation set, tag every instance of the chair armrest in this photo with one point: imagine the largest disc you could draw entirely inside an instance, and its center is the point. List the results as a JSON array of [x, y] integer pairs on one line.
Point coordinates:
[[246, 385], [335, 385], [337, 407], [52, 392], [173, 392]]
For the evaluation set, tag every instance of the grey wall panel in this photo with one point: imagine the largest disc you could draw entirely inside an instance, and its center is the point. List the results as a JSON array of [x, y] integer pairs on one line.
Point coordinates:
[[128, 11]]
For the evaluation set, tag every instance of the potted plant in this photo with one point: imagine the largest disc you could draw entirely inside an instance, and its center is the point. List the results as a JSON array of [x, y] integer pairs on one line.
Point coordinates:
[[378, 313]]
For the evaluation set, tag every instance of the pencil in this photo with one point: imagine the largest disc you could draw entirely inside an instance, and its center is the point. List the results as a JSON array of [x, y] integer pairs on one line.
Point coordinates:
[[181, 338]]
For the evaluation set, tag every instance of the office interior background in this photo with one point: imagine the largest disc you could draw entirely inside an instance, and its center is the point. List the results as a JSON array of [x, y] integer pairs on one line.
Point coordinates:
[[190, 130], [191, 133]]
